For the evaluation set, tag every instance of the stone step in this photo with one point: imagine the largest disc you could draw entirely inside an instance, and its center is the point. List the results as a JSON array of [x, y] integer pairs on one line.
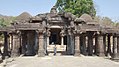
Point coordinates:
[[52, 54]]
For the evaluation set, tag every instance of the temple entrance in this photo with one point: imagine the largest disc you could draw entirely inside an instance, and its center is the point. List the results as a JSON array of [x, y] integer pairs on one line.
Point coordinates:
[[55, 37], [57, 40], [29, 43]]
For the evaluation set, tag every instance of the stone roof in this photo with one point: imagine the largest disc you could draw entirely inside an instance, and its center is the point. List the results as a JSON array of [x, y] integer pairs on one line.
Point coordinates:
[[86, 18]]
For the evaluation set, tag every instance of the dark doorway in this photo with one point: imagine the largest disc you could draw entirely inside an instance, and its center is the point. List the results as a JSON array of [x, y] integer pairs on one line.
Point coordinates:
[[29, 43], [55, 37]]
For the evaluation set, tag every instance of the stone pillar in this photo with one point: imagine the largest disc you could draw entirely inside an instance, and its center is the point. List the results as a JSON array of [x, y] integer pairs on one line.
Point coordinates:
[[70, 42], [48, 36], [104, 42], [41, 51], [11, 42], [96, 45], [5, 45], [62, 40], [90, 43], [115, 53], [8, 39], [47, 40], [16, 45], [68, 48], [118, 46], [84, 44], [109, 46], [77, 45], [62, 37], [100, 45]]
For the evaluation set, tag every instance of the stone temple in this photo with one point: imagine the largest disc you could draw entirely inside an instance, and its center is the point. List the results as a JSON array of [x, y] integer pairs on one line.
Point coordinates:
[[37, 35]]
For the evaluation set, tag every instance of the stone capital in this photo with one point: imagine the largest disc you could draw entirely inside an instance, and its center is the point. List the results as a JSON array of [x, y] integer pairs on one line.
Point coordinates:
[[62, 33], [115, 35], [40, 31], [48, 34], [16, 33]]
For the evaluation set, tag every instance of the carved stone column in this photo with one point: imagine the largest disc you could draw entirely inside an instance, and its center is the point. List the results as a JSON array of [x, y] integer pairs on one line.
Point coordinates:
[[115, 53], [96, 45], [48, 35], [41, 51], [62, 40], [77, 45], [47, 40], [84, 44], [11, 42], [118, 46], [62, 37], [8, 42], [70, 43], [104, 42], [109, 45], [16, 45], [101, 45], [5, 45]]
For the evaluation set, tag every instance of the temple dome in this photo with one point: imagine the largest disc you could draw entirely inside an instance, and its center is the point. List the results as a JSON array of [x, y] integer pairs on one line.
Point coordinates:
[[86, 18]]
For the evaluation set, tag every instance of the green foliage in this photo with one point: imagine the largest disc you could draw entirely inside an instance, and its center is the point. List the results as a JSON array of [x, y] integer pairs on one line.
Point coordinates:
[[2, 23], [1, 37], [6, 21], [105, 21], [77, 7], [117, 24]]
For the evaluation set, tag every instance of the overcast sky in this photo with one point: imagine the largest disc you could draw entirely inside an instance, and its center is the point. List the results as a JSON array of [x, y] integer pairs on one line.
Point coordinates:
[[109, 8]]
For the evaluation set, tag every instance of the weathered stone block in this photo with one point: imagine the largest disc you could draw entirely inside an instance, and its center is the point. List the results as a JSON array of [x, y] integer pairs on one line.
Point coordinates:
[[41, 53]]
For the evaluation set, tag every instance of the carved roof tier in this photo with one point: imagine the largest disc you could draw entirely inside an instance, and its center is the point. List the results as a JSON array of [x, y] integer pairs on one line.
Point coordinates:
[[28, 26], [85, 27], [7, 29]]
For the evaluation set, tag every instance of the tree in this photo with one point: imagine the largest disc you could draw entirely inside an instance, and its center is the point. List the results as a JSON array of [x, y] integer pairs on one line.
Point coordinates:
[[2, 23], [6, 20], [105, 21], [77, 7]]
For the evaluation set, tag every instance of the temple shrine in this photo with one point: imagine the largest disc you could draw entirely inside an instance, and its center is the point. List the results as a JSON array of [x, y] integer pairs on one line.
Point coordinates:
[[37, 35]]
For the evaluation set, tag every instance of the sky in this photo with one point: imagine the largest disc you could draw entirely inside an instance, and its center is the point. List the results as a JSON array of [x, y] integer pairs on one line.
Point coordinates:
[[108, 8]]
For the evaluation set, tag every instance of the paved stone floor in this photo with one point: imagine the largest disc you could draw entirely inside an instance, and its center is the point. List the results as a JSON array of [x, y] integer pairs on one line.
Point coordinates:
[[61, 61]]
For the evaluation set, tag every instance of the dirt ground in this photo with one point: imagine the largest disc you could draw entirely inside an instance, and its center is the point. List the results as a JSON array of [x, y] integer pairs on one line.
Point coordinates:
[[59, 61]]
